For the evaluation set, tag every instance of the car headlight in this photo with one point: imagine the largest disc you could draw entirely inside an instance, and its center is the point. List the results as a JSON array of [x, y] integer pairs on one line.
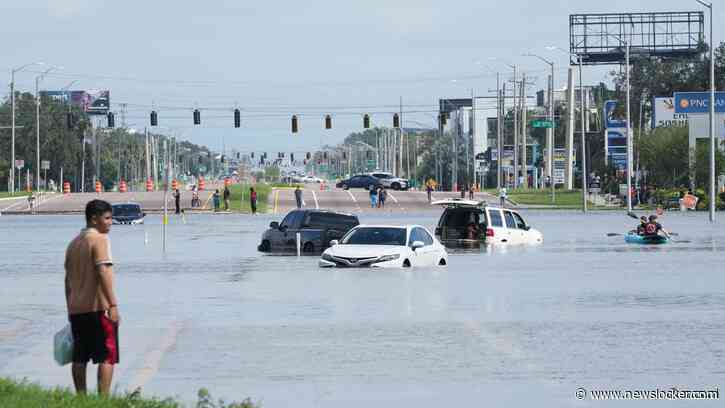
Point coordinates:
[[327, 257], [386, 258]]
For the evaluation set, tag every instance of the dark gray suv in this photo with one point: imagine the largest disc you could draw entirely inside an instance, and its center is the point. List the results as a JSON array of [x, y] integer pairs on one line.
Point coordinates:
[[316, 228]]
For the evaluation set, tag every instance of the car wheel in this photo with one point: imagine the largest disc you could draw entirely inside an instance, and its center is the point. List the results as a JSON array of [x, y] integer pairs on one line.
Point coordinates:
[[442, 262], [264, 246], [395, 186], [406, 264], [345, 187], [308, 247]]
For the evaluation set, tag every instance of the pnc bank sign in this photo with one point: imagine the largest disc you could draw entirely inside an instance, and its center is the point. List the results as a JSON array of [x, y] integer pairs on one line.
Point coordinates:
[[698, 102]]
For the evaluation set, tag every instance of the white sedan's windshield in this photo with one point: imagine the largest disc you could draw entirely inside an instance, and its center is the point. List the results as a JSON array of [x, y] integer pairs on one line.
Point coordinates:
[[376, 236]]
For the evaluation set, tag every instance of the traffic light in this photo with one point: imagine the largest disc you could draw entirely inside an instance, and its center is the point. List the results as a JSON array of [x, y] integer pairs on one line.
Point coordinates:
[[238, 155], [291, 157], [222, 159], [443, 118], [324, 155], [328, 122], [294, 123], [344, 155], [199, 159], [307, 156], [237, 119], [396, 121], [252, 154], [197, 117], [70, 120], [366, 121], [111, 120], [154, 118]]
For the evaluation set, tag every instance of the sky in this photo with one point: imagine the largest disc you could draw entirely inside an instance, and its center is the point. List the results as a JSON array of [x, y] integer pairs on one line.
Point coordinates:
[[278, 58]]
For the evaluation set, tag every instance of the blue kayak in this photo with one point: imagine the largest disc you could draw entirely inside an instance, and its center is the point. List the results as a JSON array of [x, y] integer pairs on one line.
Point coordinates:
[[634, 238]]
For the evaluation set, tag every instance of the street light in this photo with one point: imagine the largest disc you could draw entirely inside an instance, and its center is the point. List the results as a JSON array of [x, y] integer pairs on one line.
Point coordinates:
[[37, 123], [712, 116], [582, 130], [12, 99], [516, 127], [551, 132]]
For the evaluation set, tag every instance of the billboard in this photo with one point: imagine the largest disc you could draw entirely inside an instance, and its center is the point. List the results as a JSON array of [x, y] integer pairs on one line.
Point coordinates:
[[698, 102], [92, 101], [664, 115]]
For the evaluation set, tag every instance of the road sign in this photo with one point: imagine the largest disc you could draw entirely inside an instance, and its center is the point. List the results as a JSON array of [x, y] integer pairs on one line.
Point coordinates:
[[371, 162], [542, 124], [19, 163], [45, 164]]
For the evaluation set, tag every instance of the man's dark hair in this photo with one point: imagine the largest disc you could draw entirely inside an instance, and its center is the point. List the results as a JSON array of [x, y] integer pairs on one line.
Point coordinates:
[[97, 207]]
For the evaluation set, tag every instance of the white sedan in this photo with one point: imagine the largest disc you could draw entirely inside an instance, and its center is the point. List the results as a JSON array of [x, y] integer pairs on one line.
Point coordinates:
[[383, 246]]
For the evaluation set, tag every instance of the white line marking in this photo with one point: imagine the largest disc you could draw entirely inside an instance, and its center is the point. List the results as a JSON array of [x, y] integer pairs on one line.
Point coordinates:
[[351, 196], [393, 197], [152, 360], [314, 197]]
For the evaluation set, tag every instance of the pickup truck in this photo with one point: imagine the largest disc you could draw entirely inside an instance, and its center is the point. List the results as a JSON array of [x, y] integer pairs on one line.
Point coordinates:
[[316, 227]]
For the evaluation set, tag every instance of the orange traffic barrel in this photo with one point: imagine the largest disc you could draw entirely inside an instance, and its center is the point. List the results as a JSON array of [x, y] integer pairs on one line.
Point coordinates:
[[66, 187], [98, 186], [322, 185], [149, 185], [201, 183], [227, 181], [122, 186], [174, 184]]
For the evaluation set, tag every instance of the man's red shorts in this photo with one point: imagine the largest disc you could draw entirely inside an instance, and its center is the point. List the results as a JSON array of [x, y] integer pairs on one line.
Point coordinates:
[[95, 337]]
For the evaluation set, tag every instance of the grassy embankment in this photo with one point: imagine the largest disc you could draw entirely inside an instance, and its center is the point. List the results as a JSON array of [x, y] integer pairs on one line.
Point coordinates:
[[239, 203], [562, 198], [15, 394], [5, 194]]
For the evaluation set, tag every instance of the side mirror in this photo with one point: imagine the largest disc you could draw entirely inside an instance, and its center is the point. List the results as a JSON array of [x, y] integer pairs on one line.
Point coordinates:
[[274, 225], [334, 242], [143, 214], [417, 244], [528, 227]]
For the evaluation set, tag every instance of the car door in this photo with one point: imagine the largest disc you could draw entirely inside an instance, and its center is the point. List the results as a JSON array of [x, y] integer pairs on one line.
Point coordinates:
[[431, 251], [497, 227], [515, 234], [524, 230], [280, 238]]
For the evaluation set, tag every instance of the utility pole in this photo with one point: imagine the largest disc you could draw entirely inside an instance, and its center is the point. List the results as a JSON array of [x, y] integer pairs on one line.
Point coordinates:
[[148, 155], [569, 172], [524, 169], [516, 133], [499, 132]]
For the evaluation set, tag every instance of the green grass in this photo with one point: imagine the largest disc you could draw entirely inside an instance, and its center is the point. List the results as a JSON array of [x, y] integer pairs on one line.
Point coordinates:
[[236, 203], [563, 198], [5, 194], [22, 394]]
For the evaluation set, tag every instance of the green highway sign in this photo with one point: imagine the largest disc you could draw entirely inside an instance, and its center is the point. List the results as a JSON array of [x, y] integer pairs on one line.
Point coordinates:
[[542, 124]]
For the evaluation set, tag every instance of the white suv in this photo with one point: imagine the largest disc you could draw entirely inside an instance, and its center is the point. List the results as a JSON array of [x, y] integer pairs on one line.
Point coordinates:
[[467, 222], [390, 181]]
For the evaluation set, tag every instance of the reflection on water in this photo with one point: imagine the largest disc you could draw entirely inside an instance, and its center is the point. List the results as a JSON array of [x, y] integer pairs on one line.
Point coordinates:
[[580, 309]]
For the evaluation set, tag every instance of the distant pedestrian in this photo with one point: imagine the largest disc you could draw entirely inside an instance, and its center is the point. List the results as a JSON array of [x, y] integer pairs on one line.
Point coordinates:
[[227, 196], [463, 191], [31, 202], [429, 189], [373, 197], [502, 196], [195, 202], [90, 298], [382, 195], [470, 191], [216, 199], [298, 196], [253, 200], [177, 201]]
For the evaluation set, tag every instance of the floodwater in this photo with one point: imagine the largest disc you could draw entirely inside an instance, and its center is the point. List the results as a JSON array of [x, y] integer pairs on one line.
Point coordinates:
[[519, 326]]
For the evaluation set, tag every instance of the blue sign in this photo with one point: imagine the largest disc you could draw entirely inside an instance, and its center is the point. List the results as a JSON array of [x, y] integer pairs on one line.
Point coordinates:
[[698, 102], [610, 121]]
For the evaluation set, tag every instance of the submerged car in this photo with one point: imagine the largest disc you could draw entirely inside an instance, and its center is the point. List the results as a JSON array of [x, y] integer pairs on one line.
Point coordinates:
[[470, 223], [316, 228], [127, 213], [385, 246]]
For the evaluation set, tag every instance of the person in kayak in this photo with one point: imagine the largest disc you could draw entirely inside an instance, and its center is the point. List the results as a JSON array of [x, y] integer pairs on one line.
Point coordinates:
[[653, 228], [642, 225]]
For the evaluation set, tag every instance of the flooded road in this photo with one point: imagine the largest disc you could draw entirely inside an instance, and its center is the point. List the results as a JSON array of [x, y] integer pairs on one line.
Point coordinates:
[[510, 326]]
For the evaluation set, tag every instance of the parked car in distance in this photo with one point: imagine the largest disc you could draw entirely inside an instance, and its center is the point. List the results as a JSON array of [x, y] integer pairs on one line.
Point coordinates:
[[127, 213], [388, 180], [316, 228], [381, 246], [365, 181], [468, 222]]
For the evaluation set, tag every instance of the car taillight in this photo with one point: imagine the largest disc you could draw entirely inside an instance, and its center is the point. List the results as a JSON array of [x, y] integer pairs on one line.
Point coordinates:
[[489, 232]]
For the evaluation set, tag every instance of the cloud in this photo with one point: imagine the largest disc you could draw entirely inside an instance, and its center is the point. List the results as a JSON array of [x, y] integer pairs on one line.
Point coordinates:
[[67, 8]]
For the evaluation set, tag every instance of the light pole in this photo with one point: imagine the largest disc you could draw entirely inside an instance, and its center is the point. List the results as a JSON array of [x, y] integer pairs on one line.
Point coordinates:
[[37, 123], [712, 116], [582, 130], [12, 99], [550, 140]]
